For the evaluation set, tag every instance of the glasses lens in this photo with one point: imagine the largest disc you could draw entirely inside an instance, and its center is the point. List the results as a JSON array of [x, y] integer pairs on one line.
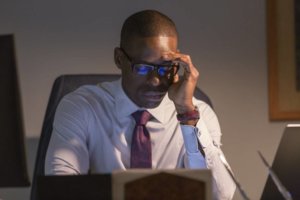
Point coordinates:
[[170, 70], [142, 69], [163, 70]]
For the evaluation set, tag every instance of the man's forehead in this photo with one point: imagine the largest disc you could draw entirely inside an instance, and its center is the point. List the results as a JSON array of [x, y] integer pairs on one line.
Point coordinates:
[[152, 47]]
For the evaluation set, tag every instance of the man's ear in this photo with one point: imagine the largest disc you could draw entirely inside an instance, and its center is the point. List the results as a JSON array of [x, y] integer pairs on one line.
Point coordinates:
[[118, 57]]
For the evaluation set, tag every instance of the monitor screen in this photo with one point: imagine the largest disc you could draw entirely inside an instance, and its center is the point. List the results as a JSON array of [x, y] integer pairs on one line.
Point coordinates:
[[286, 165], [13, 169]]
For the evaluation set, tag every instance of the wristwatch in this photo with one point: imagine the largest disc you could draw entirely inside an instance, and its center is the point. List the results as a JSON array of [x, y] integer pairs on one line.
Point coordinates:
[[190, 117]]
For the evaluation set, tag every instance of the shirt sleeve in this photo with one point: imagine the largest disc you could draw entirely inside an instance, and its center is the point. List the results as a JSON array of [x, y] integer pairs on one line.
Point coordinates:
[[67, 151], [193, 158], [207, 134]]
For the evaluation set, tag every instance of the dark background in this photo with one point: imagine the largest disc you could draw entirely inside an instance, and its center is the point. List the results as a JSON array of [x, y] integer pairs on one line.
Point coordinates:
[[297, 29]]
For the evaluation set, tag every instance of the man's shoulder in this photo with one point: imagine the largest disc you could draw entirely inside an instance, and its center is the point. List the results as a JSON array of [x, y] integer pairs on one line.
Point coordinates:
[[102, 92]]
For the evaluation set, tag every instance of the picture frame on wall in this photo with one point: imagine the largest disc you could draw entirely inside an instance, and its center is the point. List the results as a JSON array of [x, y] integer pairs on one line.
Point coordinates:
[[283, 51]]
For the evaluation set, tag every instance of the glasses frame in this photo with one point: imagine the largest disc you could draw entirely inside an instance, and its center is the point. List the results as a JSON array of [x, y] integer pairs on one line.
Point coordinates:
[[155, 66]]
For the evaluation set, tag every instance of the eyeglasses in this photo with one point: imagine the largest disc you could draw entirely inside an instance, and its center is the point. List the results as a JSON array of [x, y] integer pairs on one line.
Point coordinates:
[[168, 70]]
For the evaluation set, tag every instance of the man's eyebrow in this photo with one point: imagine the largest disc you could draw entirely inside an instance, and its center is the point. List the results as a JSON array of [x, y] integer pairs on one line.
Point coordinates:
[[163, 62]]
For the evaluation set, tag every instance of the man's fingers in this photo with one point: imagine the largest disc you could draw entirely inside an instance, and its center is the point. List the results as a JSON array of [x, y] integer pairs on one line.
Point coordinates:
[[185, 62], [176, 78]]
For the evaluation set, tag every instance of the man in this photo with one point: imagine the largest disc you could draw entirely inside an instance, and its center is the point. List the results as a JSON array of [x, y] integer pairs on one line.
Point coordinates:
[[98, 129]]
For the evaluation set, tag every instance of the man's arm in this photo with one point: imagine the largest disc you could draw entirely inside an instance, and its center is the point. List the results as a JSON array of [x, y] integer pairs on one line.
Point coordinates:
[[206, 135], [67, 151], [206, 130]]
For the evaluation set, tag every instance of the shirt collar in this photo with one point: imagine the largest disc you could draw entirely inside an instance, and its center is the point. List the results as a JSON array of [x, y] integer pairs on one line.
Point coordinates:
[[123, 105]]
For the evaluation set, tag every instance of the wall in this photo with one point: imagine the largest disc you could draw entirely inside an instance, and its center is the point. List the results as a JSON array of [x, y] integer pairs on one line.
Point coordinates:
[[226, 40]]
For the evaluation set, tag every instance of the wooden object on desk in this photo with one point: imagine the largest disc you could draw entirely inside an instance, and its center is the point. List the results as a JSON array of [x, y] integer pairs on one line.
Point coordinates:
[[162, 184]]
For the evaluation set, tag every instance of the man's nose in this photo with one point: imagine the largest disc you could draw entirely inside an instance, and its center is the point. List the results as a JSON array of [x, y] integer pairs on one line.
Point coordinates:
[[154, 79]]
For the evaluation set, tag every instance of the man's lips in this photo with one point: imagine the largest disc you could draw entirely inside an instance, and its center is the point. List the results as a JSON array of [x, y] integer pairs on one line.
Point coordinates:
[[154, 96]]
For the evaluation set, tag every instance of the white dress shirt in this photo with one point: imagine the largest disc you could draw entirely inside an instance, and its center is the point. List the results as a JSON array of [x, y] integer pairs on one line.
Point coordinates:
[[93, 127]]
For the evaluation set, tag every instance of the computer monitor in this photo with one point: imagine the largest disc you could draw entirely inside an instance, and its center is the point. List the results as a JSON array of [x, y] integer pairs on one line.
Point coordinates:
[[13, 169], [286, 165]]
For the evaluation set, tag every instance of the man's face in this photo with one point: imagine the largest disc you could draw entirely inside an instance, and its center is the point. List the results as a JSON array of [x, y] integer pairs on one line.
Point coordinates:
[[146, 90]]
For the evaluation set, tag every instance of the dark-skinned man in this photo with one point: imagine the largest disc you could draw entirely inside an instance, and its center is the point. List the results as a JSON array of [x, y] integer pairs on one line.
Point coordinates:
[[147, 119]]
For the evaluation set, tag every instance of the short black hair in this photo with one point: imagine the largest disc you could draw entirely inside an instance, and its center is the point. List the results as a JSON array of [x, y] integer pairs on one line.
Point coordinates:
[[147, 23]]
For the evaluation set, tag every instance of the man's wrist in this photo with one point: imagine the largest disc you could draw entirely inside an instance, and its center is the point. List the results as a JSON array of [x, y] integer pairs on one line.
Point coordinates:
[[190, 117], [180, 109]]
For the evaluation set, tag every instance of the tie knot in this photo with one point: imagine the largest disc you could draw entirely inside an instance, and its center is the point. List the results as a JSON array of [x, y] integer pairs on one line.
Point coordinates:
[[141, 117]]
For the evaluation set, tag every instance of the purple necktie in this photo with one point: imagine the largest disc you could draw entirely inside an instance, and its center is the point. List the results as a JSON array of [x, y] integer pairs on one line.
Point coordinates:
[[141, 143]]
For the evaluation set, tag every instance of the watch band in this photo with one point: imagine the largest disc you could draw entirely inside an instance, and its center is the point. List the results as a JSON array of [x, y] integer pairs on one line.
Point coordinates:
[[187, 116]]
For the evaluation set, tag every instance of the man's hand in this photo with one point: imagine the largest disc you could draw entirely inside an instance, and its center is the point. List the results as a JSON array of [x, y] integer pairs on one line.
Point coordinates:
[[182, 90]]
